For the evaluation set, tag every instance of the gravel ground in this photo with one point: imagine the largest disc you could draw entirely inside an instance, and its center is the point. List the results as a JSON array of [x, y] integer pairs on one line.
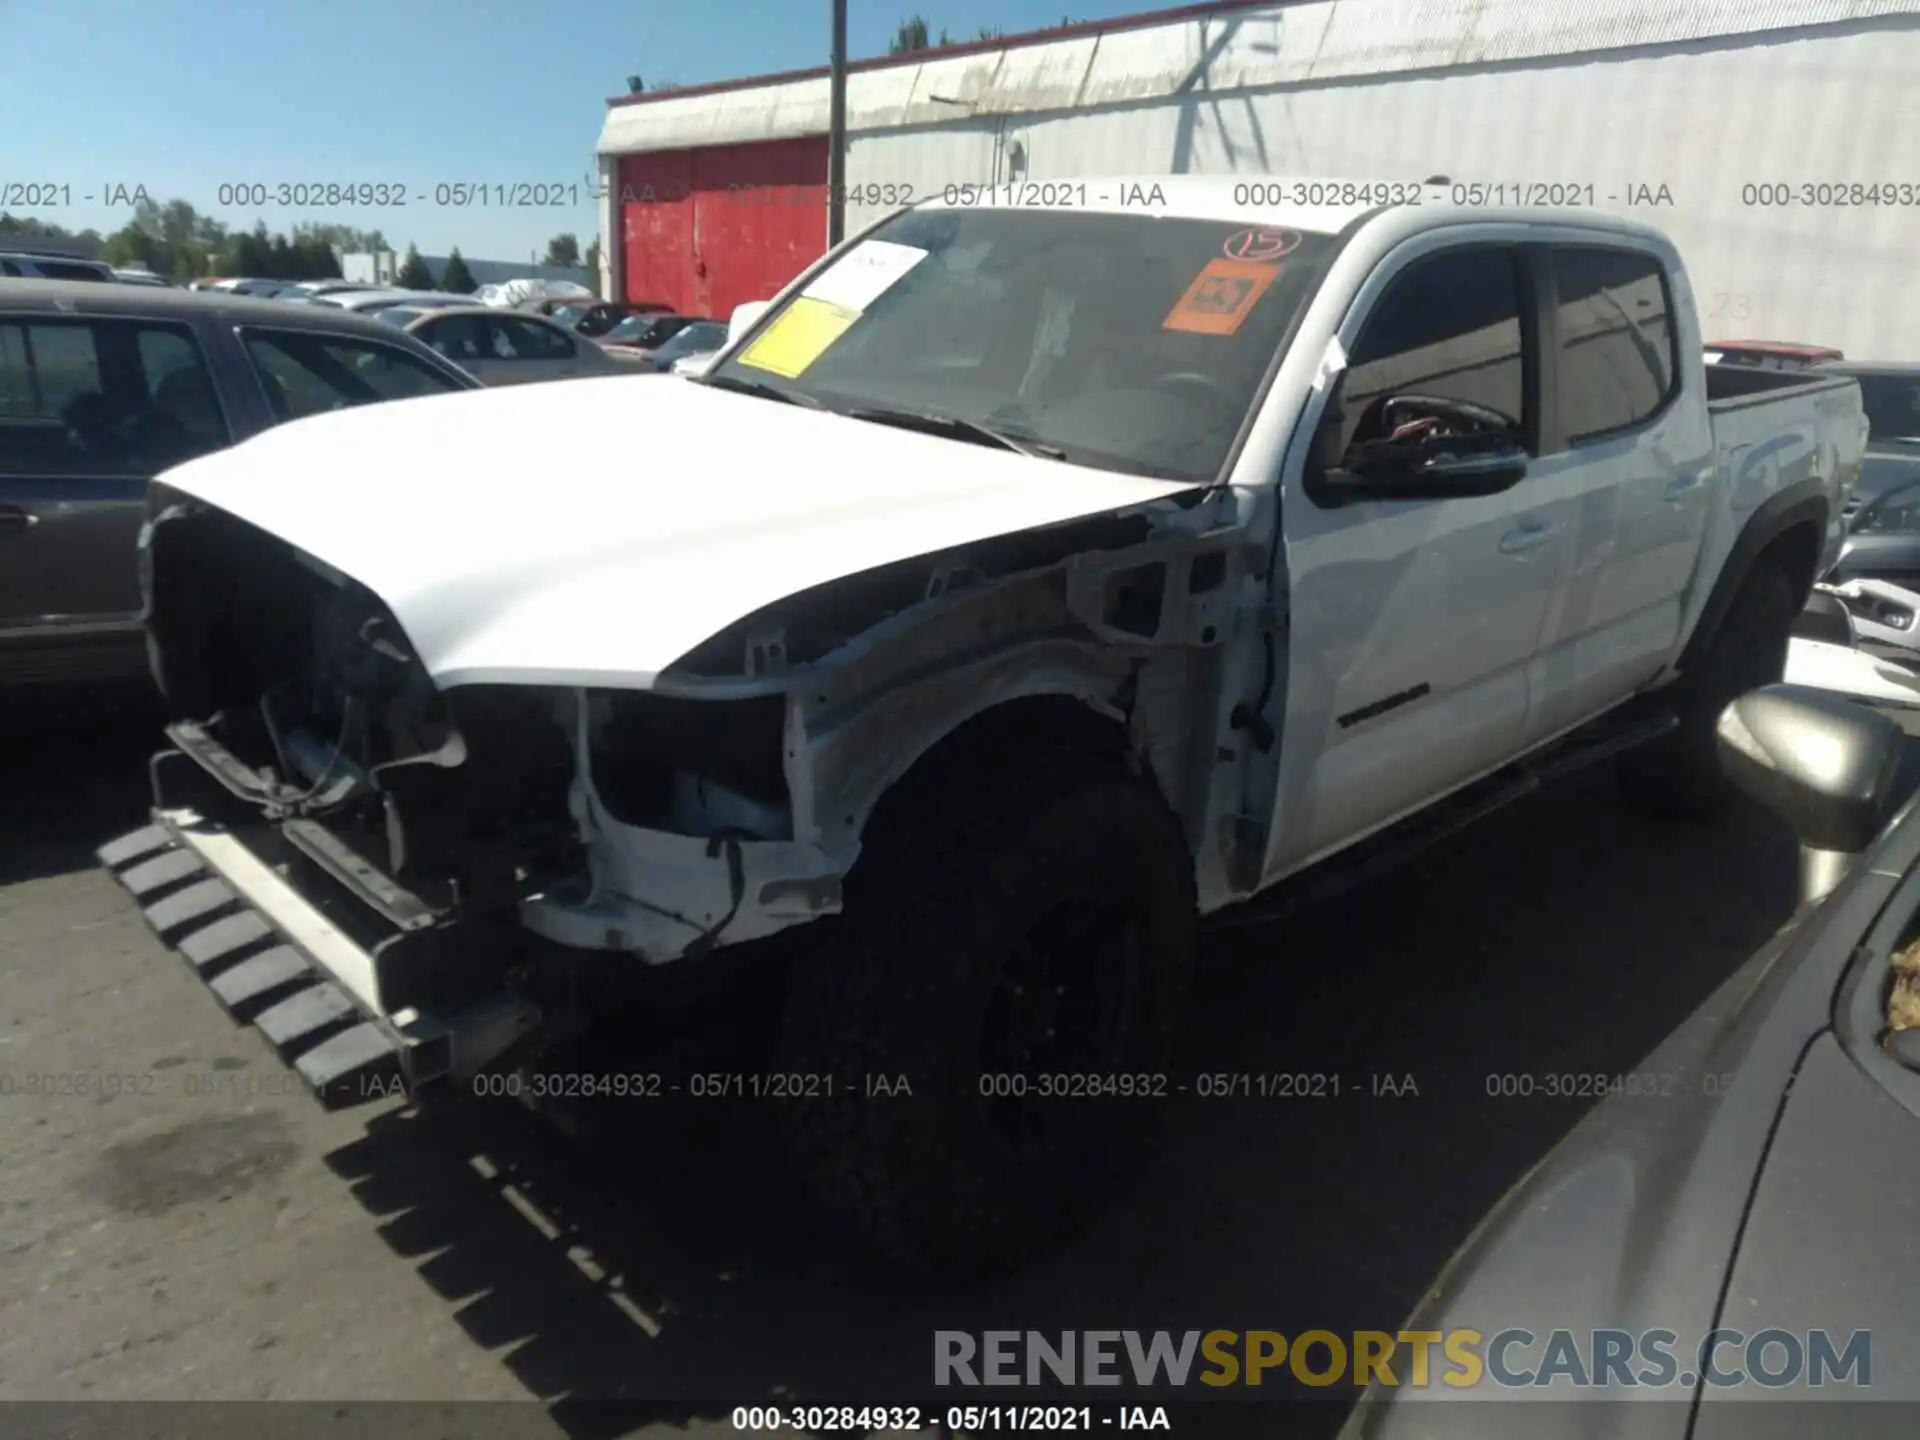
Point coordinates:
[[210, 1234]]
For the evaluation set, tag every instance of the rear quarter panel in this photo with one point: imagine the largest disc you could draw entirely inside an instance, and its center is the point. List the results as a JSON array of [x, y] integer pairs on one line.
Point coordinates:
[[1807, 439]]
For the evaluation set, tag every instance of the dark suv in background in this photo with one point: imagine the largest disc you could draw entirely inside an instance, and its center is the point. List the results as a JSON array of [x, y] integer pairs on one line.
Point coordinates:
[[102, 387]]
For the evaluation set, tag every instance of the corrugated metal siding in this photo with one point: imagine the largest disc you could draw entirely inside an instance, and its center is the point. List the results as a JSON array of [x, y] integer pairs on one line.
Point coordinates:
[[1239, 49], [1840, 107]]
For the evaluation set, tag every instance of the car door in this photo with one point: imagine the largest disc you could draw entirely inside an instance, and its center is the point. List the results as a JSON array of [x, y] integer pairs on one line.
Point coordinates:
[[90, 410], [1624, 474], [1412, 623], [531, 350]]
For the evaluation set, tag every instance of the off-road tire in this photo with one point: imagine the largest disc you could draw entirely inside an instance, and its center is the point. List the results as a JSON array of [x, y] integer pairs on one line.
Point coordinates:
[[1679, 776], [899, 988]]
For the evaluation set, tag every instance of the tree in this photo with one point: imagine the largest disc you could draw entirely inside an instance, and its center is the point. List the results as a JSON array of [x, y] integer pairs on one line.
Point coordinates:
[[990, 32], [280, 260], [592, 262], [457, 279], [27, 229], [563, 250], [250, 253], [313, 258], [910, 36], [414, 274], [131, 245]]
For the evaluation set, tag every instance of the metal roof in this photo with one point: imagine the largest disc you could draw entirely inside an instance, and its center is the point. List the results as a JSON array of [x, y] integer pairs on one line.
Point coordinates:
[[1235, 45]]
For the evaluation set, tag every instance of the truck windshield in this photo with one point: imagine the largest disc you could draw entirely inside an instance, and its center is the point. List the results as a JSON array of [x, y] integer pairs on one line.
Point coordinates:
[[1132, 341]]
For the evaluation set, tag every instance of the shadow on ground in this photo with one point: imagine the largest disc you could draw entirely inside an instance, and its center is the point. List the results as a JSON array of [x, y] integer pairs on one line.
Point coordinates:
[[653, 1259], [72, 774]]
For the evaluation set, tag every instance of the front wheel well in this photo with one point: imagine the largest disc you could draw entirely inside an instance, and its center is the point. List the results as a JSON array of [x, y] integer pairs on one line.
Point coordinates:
[[988, 740]]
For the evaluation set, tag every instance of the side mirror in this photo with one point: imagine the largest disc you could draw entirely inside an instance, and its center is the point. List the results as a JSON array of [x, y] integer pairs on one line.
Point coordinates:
[[744, 318], [1437, 472], [1826, 766]]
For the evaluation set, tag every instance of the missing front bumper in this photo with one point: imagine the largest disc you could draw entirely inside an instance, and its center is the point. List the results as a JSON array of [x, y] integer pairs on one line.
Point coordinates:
[[273, 958]]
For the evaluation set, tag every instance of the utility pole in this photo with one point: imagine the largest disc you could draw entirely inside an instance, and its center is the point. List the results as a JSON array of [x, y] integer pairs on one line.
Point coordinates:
[[837, 131]]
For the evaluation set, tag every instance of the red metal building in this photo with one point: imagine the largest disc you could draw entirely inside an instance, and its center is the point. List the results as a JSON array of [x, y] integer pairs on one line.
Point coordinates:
[[708, 229], [716, 194]]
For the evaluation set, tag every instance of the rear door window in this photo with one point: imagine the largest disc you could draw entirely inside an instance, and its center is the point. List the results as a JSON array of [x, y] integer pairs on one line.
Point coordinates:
[[517, 339], [1617, 365], [458, 337], [104, 398], [306, 374]]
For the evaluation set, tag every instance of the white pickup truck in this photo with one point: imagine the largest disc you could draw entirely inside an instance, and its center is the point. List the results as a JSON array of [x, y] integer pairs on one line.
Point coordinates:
[[1039, 575]]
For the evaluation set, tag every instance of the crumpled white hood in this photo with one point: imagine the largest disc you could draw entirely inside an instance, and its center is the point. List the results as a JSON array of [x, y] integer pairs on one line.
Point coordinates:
[[592, 532]]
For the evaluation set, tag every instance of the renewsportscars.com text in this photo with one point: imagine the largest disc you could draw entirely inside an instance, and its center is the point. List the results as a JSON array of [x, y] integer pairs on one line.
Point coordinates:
[[1459, 1359]]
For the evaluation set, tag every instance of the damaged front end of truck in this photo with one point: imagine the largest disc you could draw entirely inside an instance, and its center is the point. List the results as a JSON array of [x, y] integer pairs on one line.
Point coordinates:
[[400, 883]]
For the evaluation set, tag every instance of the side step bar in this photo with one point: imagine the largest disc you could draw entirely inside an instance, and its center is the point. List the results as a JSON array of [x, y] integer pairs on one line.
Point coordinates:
[[272, 958], [1372, 857]]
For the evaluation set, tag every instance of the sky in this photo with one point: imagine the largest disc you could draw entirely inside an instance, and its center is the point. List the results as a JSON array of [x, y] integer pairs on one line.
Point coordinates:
[[100, 98]]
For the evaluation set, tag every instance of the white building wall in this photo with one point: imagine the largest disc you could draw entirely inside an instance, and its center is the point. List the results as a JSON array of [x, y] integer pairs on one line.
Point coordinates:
[[1691, 128], [1702, 97]]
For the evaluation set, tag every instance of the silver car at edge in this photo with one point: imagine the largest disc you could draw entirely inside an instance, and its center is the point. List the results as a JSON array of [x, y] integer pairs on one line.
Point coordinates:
[[504, 347], [1757, 1176]]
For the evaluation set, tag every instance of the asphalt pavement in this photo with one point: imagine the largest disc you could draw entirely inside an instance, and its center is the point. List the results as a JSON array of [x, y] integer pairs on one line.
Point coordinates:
[[179, 1223]]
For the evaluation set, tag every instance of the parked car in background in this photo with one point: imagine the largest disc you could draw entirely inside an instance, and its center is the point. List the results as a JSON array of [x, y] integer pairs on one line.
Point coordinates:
[[255, 285], [1769, 354], [316, 289], [499, 346], [46, 265], [1756, 1171], [127, 275], [527, 293], [637, 336], [598, 318], [1890, 394], [551, 305], [703, 337], [370, 301], [102, 388]]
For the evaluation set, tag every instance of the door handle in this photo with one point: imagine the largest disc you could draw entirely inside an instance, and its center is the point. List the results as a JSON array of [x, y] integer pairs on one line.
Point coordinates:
[[1686, 485], [15, 521], [1527, 534]]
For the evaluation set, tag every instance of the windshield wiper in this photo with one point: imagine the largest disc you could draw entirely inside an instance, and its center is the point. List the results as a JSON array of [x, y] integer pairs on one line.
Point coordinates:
[[761, 389], [959, 427]]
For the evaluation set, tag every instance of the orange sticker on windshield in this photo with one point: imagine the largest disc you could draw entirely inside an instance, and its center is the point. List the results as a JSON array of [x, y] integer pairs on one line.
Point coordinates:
[[1221, 297]]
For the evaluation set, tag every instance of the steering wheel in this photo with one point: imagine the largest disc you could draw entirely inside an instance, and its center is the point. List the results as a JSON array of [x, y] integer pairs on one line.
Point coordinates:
[[1392, 412], [1217, 393]]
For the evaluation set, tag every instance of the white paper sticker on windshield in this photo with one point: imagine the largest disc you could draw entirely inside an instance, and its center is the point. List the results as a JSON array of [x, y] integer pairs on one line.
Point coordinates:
[[864, 274]]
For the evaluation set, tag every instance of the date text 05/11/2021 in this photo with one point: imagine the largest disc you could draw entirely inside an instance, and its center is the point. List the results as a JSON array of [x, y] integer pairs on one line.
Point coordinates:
[[997, 1085], [950, 1420]]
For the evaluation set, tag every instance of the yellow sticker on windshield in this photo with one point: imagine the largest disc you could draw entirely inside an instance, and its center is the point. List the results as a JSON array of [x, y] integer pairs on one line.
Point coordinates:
[[798, 337]]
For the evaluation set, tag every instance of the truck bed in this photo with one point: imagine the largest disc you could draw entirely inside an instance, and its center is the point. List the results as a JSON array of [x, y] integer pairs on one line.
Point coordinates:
[[1730, 387], [1774, 428]]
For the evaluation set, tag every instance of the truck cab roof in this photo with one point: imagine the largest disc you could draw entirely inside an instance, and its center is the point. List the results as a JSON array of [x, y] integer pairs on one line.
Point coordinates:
[[1314, 204]]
